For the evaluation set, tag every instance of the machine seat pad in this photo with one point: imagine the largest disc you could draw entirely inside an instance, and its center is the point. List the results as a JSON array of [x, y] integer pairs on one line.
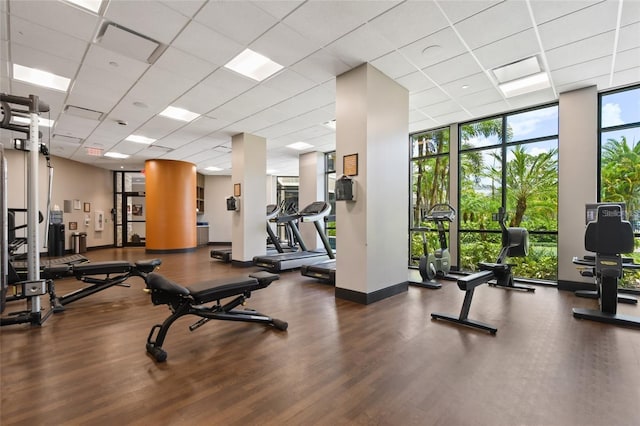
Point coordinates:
[[206, 291], [148, 265], [56, 270], [157, 281], [99, 268]]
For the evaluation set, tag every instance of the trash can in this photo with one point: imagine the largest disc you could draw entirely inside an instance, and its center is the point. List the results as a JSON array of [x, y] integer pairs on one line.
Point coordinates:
[[79, 242]]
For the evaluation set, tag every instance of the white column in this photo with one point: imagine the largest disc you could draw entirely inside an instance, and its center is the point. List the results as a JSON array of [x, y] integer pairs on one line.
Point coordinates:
[[249, 170], [372, 237], [311, 189], [577, 175]]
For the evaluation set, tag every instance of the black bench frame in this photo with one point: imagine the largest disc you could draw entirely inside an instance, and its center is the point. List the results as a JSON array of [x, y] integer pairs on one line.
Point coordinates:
[[191, 301]]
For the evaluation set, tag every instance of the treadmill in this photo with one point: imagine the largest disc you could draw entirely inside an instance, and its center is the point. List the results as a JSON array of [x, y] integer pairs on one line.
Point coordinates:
[[314, 212], [324, 271], [273, 210]]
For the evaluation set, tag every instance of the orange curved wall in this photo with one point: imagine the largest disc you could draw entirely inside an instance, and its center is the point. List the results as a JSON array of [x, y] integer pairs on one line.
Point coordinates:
[[171, 205]]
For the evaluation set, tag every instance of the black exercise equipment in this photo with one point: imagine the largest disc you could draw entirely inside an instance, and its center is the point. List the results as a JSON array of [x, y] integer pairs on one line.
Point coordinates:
[[438, 262], [101, 276], [608, 236], [515, 243], [191, 300]]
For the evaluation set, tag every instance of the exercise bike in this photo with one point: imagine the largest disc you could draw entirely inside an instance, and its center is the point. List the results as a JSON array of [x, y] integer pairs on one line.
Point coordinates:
[[438, 262]]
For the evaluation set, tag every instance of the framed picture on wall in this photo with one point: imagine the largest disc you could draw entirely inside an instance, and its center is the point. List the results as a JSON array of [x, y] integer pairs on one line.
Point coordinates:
[[87, 207], [73, 226], [137, 210]]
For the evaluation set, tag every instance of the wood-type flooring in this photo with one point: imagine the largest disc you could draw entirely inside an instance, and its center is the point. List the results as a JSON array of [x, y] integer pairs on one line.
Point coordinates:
[[339, 363]]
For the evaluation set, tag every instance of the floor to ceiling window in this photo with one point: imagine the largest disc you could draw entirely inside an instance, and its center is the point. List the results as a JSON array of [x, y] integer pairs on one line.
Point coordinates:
[[429, 186], [620, 161], [510, 161]]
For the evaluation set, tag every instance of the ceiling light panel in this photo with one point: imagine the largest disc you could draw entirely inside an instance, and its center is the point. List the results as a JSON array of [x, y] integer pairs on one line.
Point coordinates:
[[40, 78], [524, 85], [253, 65], [26, 121], [179, 114], [92, 5], [299, 146], [140, 139], [113, 154], [518, 69]]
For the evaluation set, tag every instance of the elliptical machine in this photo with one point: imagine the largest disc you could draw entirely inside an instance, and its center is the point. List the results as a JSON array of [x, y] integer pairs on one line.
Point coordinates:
[[438, 262]]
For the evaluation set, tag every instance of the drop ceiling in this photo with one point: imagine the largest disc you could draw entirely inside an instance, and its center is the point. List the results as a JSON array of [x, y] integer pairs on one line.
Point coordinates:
[[442, 51]]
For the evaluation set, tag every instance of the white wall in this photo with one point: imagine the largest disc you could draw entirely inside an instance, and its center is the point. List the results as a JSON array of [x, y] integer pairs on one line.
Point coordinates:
[[71, 181], [311, 189], [216, 190]]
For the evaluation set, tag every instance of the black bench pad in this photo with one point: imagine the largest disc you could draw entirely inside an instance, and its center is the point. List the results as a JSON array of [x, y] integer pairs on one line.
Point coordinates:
[[96, 268], [207, 291]]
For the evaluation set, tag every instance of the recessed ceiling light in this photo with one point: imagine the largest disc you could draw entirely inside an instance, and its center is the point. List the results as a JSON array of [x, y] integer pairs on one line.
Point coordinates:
[[113, 154], [331, 124], [140, 139], [40, 78], [253, 65], [213, 169], [429, 50], [300, 146], [517, 69], [41, 121], [92, 5], [140, 104], [179, 114], [524, 85], [465, 86]]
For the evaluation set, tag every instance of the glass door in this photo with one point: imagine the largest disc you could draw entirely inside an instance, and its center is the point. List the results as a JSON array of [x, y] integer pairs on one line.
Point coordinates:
[[130, 209]]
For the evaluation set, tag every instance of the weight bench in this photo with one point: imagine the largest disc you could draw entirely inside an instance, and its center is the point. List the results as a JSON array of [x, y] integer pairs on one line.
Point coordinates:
[[115, 272], [191, 300]]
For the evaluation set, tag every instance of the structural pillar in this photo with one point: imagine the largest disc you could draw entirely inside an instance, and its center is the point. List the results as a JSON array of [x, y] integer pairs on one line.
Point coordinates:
[[249, 178], [171, 206], [372, 116], [311, 189]]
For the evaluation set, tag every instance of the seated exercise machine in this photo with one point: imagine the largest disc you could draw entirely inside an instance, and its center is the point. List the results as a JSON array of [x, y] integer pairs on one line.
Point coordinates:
[[515, 243], [191, 300], [608, 236], [437, 263]]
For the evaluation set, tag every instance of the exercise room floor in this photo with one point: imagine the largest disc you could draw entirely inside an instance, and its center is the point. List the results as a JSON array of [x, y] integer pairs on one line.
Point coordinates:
[[339, 363]]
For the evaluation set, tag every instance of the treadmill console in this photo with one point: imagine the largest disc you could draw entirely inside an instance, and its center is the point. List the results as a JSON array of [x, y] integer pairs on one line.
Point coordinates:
[[315, 211]]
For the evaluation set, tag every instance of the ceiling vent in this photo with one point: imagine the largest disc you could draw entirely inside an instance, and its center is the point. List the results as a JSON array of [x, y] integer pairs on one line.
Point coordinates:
[[83, 112], [129, 43], [66, 139]]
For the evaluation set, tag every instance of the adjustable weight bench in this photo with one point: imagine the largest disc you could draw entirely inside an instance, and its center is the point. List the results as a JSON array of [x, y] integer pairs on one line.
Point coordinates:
[[115, 272], [191, 300]]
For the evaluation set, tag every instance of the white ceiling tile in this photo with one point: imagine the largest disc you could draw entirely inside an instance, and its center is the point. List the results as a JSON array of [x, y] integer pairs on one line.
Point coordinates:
[[626, 77], [581, 51], [475, 83], [544, 11], [186, 7], [508, 50], [581, 71], [46, 40], [284, 45], [75, 126], [630, 13], [453, 117], [278, 9], [433, 49], [337, 18], [532, 99], [224, 17], [184, 64], [29, 57], [359, 46], [484, 97], [584, 23], [415, 82], [629, 36], [409, 21], [627, 59], [453, 69], [394, 65], [320, 66], [442, 108], [217, 49], [114, 63], [499, 21], [462, 9], [58, 16], [427, 97], [489, 109], [601, 82], [146, 89], [312, 99], [289, 82], [149, 18], [159, 127], [422, 124]]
